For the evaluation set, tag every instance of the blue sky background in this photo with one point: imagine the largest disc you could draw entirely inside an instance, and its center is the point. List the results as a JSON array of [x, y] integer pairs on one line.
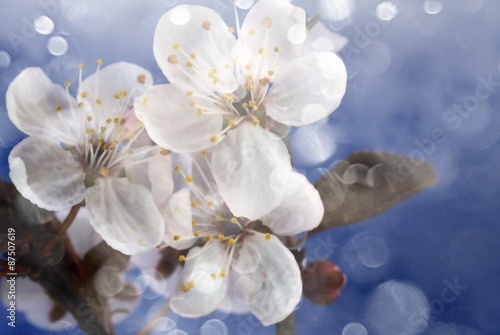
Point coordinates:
[[421, 72]]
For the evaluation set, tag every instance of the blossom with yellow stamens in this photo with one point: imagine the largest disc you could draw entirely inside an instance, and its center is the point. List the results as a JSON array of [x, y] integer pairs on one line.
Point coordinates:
[[89, 149]]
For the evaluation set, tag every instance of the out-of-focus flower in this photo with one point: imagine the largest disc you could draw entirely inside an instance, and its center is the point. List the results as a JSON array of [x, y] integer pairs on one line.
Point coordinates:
[[244, 90], [323, 281], [86, 149], [236, 252]]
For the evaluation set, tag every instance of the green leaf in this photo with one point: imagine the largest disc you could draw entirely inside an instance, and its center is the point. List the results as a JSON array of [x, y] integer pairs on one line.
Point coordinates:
[[367, 184]]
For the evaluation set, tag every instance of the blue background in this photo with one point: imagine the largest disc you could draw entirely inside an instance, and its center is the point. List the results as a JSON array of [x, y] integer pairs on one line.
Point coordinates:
[[405, 77]]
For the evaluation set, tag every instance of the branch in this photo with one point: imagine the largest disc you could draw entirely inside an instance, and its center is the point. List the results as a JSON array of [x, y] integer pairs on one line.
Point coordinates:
[[287, 326]]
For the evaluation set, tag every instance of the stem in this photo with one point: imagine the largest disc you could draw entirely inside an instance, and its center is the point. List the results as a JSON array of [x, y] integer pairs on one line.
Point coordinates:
[[150, 325], [287, 326], [62, 229]]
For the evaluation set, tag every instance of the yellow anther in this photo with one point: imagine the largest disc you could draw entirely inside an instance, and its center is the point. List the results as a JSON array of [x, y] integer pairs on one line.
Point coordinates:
[[103, 129], [108, 121], [58, 108], [252, 103], [116, 120], [200, 111], [214, 138], [178, 169], [99, 61], [232, 123], [251, 31], [204, 153], [123, 94], [83, 94], [177, 238], [222, 237], [267, 22], [191, 284], [276, 49], [194, 203], [231, 241], [90, 131], [104, 171], [196, 233], [250, 77], [206, 25], [255, 122], [234, 220], [267, 236], [67, 84], [98, 102], [190, 93], [261, 50], [193, 55], [218, 218], [230, 29], [208, 237], [192, 103], [193, 223], [248, 67], [211, 74], [185, 287], [189, 64], [189, 179], [249, 87], [141, 78], [222, 273], [164, 152], [116, 96], [81, 66], [210, 203], [182, 258], [80, 104], [175, 46], [213, 275], [244, 105], [270, 72], [172, 59]]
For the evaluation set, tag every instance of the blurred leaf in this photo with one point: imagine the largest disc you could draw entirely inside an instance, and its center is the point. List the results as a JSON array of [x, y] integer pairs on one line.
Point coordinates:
[[369, 183]]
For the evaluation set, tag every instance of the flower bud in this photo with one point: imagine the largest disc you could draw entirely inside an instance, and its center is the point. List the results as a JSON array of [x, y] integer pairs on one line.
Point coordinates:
[[322, 282]]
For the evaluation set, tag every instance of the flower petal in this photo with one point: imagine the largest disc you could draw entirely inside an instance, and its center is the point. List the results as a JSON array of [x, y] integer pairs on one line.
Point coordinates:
[[205, 293], [111, 91], [46, 174], [125, 215], [273, 33], [268, 277], [320, 38], [301, 209], [178, 218], [38, 107], [192, 45], [322, 77], [173, 123], [251, 167], [83, 237]]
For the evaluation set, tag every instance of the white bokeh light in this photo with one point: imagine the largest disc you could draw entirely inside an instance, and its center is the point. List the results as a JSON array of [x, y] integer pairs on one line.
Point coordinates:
[[386, 10], [57, 46], [44, 25], [433, 6]]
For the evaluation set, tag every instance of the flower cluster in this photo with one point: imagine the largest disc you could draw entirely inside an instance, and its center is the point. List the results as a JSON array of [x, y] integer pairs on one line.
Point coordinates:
[[200, 163]]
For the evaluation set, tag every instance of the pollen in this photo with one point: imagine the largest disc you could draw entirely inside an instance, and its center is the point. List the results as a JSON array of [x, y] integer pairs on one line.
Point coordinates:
[[108, 121], [172, 59], [208, 237], [104, 171], [200, 111], [190, 93], [141, 78], [234, 220], [123, 94], [178, 169], [210, 203], [177, 238], [176, 46], [103, 129], [98, 102], [231, 241], [204, 153], [221, 237], [270, 72], [192, 103], [230, 29], [116, 96], [182, 258], [189, 179], [194, 203], [267, 236], [90, 131], [249, 87], [213, 138], [248, 67], [276, 49], [80, 104], [251, 31], [99, 61], [81, 66], [164, 152], [252, 103], [218, 218], [58, 108], [213, 275], [255, 122], [193, 55], [191, 283], [185, 287], [83, 94], [189, 64], [196, 233], [244, 105], [67, 84], [222, 273], [193, 223], [116, 120], [267, 22], [206, 25], [232, 123]]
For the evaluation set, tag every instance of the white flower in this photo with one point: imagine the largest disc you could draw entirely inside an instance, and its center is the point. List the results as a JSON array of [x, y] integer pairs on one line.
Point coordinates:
[[86, 149], [237, 253], [242, 89]]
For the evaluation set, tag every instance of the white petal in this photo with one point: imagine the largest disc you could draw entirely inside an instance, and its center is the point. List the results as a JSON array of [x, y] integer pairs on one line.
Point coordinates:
[[173, 123], [308, 89], [178, 219], [251, 167], [32, 100], [125, 215], [273, 32], [46, 174], [113, 79], [207, 292], [301, 209], [269, 278], [201, 38], [320, 38], [160, 172]]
